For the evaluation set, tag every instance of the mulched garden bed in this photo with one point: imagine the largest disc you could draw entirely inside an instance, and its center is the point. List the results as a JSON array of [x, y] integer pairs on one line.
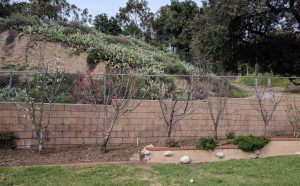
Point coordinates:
[[89, 154], [67, 155]]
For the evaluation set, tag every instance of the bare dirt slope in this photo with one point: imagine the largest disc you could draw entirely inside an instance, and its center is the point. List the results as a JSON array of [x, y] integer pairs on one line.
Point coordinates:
[[24, 52]]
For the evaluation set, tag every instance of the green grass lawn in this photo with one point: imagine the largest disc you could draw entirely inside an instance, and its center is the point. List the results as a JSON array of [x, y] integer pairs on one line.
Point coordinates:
[[263, 81], [270, 171], [235, 92]]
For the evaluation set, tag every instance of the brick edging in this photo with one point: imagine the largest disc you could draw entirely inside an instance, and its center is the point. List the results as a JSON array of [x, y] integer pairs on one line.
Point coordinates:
[[187, 148], [224, 147], [285, 139]]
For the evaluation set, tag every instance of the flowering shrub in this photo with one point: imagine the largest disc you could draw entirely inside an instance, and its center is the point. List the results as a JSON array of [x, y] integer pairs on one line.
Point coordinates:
[[88, 89]]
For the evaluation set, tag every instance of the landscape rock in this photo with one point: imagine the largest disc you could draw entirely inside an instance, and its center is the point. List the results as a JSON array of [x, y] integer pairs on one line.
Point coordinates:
[[146, 152], [147, 158], [298, 153], [168, 153], [185, 160], [220, 155], [253, 156]]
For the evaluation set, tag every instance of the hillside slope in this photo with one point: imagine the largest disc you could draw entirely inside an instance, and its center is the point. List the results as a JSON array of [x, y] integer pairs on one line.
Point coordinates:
[[25, 53], [24, 40]]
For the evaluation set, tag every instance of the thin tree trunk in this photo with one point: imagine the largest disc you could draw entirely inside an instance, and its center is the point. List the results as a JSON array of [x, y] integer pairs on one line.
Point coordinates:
[[106, 138], [216, 132], [104, 145], [41, 142], [169, 131]]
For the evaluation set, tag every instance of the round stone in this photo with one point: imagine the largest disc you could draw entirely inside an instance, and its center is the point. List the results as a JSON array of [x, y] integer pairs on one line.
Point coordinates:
[[253, 156], [185, 160], [220, 154], [146, 152], [168, 153], [147, 158]]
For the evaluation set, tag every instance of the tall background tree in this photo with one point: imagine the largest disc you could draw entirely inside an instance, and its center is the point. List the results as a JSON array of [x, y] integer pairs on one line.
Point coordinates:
[[136, 19], [227, 34], [4, 7], [172, 26], [58, 10], [50, 9], [8, 7], [107, 25]]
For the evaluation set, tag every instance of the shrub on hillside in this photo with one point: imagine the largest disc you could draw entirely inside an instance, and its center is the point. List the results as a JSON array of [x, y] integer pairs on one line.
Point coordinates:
[[251, 143], [122, 40], [69, 31], [176, 68], [16, 21], [78, 26]]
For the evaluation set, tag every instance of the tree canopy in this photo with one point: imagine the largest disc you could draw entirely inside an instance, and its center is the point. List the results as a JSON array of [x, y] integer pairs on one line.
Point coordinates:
[[229, 33], [107, 25], [58, 10], [136, 19], [172, 25]]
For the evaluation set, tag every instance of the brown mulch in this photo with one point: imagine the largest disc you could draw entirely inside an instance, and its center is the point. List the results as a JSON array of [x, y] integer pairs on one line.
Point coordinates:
[[67, 155], [73, 155]]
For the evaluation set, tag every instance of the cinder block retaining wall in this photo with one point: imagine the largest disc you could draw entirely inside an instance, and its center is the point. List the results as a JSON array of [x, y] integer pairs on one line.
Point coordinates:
[[79, 124]]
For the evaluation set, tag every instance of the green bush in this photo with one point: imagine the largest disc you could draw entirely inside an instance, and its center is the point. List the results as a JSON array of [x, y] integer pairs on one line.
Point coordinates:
[[7, 140], [69, 31], [122, 40], [77, 26], [93, 59], [230, 135], [17, 21], [176, 68], [207, 143], [251, 143], [172, 143], [63, 98], [4, 80]]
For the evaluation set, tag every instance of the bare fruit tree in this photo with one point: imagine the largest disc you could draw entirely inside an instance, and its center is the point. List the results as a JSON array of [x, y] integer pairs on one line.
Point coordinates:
[[216, 91], [175, 101], [293, 113], [113, 96], [121, 97], [39, 98], [265, 102]]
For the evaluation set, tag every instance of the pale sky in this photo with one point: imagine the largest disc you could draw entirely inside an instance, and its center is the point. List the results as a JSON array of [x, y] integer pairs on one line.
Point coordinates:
[[111, 7]]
